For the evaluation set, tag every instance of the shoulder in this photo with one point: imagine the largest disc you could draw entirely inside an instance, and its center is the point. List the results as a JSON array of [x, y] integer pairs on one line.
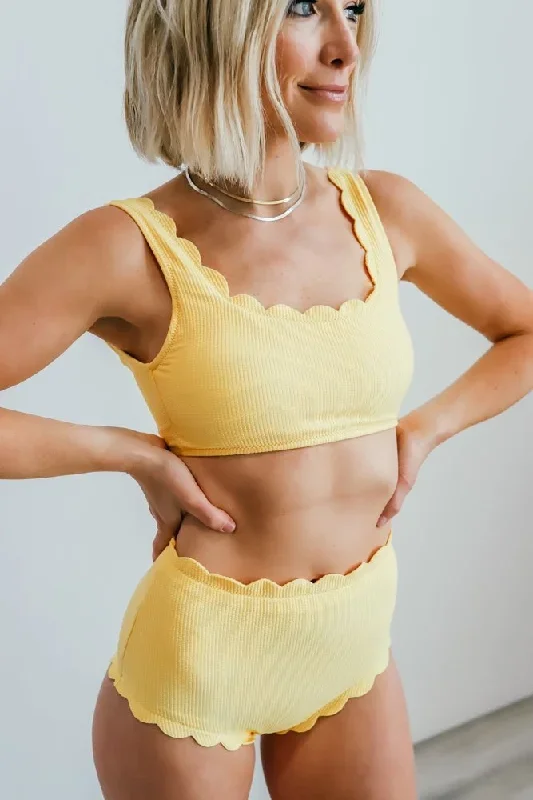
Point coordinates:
[[101, 249], [104, 235], [86, 248], [112, 229], [115, 240], [388, 188], [412, 216]]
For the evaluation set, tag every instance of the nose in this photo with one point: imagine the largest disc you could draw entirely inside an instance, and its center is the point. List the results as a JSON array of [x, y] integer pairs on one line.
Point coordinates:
[[341, 48]]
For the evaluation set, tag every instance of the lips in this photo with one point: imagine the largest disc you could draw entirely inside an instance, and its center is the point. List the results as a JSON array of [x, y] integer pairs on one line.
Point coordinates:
[[332, 88], [333, 94]]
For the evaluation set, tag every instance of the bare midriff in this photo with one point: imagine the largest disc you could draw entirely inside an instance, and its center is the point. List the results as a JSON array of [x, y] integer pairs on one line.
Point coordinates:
[[300, 513]]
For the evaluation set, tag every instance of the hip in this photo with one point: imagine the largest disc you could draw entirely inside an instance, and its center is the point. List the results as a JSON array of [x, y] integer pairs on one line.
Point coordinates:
[[194, 645]]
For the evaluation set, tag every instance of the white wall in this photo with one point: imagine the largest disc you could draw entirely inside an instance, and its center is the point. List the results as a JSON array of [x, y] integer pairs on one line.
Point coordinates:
[[448, 107]]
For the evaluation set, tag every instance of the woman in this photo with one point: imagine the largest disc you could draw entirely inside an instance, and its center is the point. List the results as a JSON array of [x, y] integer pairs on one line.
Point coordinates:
[[274, 358]]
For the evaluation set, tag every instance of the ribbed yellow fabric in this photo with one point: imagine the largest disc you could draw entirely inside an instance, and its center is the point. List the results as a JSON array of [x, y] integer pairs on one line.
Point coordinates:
[[235, 377], [206, 656]]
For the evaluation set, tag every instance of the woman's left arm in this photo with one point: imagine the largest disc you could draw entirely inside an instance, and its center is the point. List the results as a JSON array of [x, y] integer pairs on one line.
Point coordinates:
[[452, 270]]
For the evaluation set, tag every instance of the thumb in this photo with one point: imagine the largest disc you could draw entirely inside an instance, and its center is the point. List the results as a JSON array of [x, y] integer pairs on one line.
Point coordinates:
[[394, 504], [193, 500], [210, 515]]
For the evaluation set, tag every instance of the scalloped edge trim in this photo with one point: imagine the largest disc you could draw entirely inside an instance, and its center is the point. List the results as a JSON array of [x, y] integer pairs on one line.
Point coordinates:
[[169, 727], [178, 731], [265, 587], [132, 207], [317, 312], [338, 704]]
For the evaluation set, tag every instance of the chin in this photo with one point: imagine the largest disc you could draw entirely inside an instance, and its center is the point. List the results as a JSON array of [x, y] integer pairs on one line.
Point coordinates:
[[320, 128], [320, 135]]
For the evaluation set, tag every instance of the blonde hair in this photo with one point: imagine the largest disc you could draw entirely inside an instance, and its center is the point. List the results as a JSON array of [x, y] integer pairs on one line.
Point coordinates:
[[195, 72]]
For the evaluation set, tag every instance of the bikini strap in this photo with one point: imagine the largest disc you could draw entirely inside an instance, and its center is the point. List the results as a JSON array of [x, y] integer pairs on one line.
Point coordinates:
[[158, 233], [161, 238], [359, 205]]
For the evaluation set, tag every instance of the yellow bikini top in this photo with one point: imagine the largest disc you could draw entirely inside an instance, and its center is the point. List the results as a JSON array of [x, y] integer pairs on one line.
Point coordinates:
[[235, 377]]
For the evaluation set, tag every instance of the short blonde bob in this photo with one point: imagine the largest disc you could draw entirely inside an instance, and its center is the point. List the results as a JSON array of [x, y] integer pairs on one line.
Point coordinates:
[[195, 71]]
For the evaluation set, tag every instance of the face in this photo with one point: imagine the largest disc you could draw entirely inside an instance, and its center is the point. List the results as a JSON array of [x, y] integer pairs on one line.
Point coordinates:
[[317, 47]]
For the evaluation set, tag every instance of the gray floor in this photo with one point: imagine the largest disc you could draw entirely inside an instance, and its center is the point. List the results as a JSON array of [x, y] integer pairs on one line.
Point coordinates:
[[488, 759]]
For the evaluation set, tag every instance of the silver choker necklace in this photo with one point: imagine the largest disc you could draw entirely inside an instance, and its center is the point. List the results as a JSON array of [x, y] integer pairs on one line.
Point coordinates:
[[285, 213]]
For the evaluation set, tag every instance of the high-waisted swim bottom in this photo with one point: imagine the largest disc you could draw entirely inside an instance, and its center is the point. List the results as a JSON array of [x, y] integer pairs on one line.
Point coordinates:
[[204, 655]]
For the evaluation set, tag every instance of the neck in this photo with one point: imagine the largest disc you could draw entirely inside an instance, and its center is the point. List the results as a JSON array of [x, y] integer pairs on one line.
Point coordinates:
[[280, 178]]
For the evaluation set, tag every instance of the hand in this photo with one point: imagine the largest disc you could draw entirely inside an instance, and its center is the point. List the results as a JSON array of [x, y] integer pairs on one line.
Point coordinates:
[[170, 489], [415, 442]]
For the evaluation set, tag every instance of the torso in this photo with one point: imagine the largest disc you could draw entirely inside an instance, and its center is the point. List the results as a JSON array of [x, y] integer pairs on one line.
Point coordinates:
[[302, 512]]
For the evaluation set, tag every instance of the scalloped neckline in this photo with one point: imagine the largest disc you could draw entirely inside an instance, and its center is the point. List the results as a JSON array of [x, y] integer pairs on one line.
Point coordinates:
[[220, 282]]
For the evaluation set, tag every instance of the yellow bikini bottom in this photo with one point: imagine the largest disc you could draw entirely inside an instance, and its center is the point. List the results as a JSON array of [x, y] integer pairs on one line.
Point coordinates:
[[204, 655]]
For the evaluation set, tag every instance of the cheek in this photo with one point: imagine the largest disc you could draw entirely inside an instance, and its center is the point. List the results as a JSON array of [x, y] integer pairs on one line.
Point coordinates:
[[292, 60]]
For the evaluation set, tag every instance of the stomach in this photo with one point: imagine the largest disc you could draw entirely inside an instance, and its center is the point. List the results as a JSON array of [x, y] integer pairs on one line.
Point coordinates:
[[300, 513]]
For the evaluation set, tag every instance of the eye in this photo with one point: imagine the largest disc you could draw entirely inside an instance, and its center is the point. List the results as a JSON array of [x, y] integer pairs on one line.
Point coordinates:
[[355, 8], [292, 12]]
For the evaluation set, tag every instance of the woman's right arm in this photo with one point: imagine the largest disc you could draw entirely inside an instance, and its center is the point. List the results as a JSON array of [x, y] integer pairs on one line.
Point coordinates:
[[37, 447], [54, 296], [57, 293]]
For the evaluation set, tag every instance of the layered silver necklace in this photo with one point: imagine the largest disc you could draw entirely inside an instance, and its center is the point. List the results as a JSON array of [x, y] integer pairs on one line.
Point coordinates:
[[298, 194]]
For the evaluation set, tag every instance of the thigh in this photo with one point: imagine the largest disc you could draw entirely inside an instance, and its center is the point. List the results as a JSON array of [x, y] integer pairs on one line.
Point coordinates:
[[364, 752], [135, 760]]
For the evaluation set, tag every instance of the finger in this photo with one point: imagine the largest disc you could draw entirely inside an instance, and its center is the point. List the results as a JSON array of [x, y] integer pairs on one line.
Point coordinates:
[[210, 515], [383, 519], [394, 505], [163, 536], [164, 532], [390, 510], [192, 499], [179, 522], [161, 541]]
